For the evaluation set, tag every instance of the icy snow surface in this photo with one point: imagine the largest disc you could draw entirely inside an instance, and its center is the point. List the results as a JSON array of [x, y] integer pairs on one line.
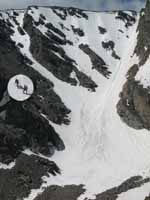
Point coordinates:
[[101, 151]]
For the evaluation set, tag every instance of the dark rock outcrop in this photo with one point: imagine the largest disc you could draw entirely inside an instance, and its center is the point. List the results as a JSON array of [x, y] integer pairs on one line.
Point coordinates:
[[40, 135], [12, 142], [97, 62], [72, 192], [134, 104], [147, 198], [21, 31], [129, 20], [63, 12], [142, 49], [16, 183], [102, 30], [121, 31], [60, 12], [63, 26], [24, 127], [77, 31], [115, 55], [131, 183], [68, 192], [40, 22], [77, 12], [110, 46], [50, 26], [127, 106]]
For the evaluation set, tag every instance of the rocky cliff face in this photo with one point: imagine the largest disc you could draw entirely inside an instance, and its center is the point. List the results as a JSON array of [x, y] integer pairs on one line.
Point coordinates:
[[24, 176], [134, 104], [13, 62]]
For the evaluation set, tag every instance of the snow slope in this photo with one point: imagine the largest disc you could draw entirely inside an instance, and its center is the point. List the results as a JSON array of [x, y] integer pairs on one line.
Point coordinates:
[[101, 151]]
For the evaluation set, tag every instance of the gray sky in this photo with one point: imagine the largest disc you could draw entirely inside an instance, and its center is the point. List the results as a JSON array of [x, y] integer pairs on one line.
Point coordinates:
[[86, 4]]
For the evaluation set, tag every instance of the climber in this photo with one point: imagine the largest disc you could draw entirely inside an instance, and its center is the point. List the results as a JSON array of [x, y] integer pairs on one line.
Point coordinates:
[[17, 82], [25, 89]]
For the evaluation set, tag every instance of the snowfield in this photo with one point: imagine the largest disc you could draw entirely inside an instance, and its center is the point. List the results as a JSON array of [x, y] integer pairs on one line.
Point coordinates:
[[101, 151]]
